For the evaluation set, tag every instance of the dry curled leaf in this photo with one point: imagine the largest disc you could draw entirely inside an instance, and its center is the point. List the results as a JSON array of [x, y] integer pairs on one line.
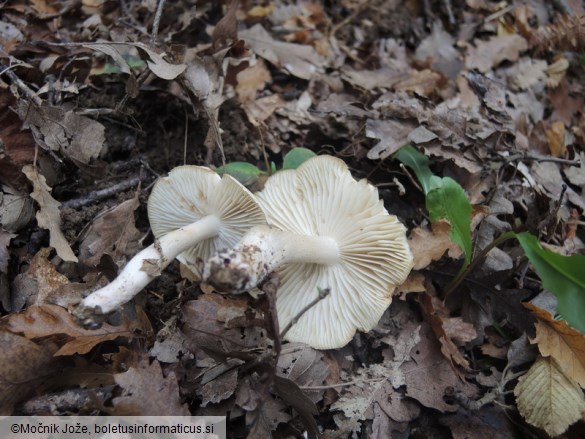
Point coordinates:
[[77, 137], [430, 245], [556, 139], [437, 315], [558, 340], [488, 54], [44, 276], [111, 232], [299, 60], [393, 135], [48, 215], [49, 320]]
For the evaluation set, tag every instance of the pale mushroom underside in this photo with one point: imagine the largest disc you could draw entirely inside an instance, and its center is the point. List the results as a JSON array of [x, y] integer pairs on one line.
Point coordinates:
[[322, 198]]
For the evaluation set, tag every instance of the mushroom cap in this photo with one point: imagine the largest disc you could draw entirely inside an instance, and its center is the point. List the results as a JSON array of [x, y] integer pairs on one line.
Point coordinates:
[[322, 198], [190, 193]]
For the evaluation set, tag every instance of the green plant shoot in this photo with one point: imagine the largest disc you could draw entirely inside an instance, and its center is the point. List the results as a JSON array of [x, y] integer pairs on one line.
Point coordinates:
[[248, 174], [445, 198], [245, 173], [564, 276], [295, 157]]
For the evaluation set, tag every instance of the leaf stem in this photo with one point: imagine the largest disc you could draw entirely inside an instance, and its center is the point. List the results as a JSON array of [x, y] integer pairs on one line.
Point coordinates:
[[466, 270]]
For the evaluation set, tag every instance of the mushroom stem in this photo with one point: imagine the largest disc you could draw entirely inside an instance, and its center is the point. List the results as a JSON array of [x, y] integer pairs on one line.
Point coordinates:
[[148, 264], [262, 250]]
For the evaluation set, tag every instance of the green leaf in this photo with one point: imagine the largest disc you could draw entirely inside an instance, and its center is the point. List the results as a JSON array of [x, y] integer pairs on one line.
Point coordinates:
[[296, 157], [111, 68], [447, 199], [419, 163], [564, 276], [245, 173]]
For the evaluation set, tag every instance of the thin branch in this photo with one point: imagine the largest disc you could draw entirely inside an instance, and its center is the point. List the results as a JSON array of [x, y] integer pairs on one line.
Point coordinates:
[[536, 158], [348, 383], [449, 9], [101, 194], [499, 13], [156, 23], [322, 294], [15, 80], [186, 136], [358, 10], [411, 178]]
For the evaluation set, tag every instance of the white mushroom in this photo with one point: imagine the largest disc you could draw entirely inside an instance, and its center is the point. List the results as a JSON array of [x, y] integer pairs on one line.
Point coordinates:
[[192, 212], [325, 230]]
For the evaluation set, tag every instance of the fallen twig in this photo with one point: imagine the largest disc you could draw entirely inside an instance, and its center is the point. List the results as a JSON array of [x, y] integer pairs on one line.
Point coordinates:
[[156, 23], [101, 194], [15, 80], [322, 294]]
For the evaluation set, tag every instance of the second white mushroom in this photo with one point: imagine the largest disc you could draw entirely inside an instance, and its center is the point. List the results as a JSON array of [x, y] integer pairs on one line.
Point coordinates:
[[192, 213]]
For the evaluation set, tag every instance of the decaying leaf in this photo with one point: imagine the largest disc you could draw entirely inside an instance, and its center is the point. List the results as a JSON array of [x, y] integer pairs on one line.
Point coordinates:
[[429, 388], [265, 420], [558, 340], [16, 209], [393, 134], [226, 29], [576, 175], [422, 82], [305, 366], [112, 232], [548, 399], [383, 78], [5, 238], [556, 72], [141, 383], [48, 215], [415, 283], [42, 280], [439, 49], [497, 49], [214, 388], [171, 348], [204, 77], [221, 324], [490, 421], [377, 384], [24, 366], [549, 176], [77, 137], [299, 60], [556, 139], [438, 317], [49, 320], [290, 393], [250, 81], [428, 246]]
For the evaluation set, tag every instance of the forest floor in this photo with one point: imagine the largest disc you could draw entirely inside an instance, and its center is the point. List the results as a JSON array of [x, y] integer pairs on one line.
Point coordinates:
[[100, 97]]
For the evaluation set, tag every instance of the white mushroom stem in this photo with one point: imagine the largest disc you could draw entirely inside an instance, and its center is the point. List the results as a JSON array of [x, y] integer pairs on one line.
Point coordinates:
[[136, 275], [262, 250]]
